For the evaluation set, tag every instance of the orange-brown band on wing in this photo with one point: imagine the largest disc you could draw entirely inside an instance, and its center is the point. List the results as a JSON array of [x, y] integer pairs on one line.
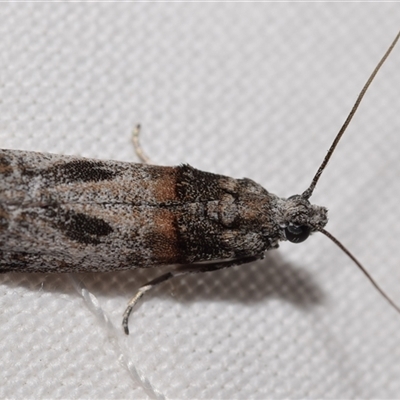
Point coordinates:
[[163, 237], [164, 185]]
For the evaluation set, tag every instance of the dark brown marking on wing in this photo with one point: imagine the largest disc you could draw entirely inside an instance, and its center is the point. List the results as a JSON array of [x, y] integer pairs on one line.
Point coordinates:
[[4, 219], [193, 185], [5, 165], [212, 222], [83, 228], [81, 171], [28, 262], [198, 231], [14, 262]]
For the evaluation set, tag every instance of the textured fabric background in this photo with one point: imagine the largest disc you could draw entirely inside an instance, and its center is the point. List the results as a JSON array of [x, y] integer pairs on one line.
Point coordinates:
[[255, 90]]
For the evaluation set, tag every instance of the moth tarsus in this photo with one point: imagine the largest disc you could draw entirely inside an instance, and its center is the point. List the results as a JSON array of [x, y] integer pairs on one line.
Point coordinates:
[[178, 271], [137, 146], [70, 214]]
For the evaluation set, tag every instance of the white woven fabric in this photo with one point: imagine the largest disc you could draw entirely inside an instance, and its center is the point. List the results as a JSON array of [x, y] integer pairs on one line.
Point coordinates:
[[256, 90]]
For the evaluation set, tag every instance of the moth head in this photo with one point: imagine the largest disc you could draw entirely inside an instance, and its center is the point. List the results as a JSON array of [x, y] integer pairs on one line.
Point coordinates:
[[301, 218]]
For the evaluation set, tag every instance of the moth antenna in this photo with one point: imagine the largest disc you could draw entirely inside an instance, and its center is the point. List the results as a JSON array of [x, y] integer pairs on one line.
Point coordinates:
[[359, 265], [307, 193]]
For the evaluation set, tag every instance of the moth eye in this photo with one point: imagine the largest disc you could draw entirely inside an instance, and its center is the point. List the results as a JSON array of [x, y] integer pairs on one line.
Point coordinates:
[[297, 233]]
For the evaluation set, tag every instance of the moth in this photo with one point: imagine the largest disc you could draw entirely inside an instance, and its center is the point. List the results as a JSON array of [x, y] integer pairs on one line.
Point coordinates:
[[69, 214]]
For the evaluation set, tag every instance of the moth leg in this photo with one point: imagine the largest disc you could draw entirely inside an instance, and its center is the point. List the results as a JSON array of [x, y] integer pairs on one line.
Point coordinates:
[[181, 270], [142, 290], [138, 148]]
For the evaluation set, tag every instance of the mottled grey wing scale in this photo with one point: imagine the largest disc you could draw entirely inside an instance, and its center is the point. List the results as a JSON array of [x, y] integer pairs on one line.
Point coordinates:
[[61, 213]]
